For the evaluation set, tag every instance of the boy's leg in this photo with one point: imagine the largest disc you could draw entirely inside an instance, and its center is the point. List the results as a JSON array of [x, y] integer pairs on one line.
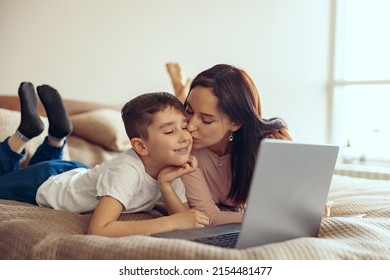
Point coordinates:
[[9, 159], [22, 184], [31, 124], [60, 124], [47, 151]]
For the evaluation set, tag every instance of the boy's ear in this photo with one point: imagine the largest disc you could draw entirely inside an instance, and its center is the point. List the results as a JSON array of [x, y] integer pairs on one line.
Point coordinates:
[[138, 145]]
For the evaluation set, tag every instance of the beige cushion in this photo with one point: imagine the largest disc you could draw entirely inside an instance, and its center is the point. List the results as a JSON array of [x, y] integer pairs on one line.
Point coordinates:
[[103, 127], [9, 122], [88, 153]]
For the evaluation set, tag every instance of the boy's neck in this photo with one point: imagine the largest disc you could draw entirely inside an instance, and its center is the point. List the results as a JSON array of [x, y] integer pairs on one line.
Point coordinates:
[[150, 167]]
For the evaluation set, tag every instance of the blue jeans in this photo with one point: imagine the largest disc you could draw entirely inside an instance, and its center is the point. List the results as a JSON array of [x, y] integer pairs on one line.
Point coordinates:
[[22, 184]]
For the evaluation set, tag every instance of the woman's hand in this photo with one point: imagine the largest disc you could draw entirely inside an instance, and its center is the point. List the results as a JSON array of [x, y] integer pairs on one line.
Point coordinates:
[[328, 206], [281, 134]]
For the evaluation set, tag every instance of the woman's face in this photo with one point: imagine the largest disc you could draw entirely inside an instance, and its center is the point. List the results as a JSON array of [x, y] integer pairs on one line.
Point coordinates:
[[208, 126]]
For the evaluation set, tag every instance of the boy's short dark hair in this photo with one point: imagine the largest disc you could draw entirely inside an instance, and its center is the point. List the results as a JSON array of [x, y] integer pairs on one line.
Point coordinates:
[[138, 113]]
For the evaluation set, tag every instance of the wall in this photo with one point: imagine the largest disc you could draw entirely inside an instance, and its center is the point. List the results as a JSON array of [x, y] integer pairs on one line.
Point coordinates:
[[111, 51]]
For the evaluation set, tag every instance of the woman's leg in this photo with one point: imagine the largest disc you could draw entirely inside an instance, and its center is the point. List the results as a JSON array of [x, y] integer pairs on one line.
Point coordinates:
[[180, 87]]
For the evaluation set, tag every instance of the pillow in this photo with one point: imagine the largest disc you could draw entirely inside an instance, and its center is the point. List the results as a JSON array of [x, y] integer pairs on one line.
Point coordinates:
[[9, 122], [103, 127], [87, 152]]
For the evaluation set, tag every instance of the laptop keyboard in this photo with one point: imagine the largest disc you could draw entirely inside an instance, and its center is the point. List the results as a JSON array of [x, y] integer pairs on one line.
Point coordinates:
[[227, 240]]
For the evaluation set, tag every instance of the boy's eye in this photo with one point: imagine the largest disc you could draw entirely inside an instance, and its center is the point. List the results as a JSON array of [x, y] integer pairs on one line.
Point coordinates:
[[168, 132]]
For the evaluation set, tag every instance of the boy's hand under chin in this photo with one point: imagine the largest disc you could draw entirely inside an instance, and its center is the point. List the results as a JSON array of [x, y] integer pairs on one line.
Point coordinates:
[[170, 173]]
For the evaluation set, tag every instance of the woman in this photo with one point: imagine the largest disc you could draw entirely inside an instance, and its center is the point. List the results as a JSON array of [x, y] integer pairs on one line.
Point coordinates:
[[224, 113]]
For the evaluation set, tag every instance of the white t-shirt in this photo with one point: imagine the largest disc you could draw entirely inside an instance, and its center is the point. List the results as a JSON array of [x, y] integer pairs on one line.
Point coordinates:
[[123, 178]]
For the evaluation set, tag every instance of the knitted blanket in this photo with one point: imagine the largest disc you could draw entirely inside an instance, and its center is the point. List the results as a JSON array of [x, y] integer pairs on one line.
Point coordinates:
[[32, 232]]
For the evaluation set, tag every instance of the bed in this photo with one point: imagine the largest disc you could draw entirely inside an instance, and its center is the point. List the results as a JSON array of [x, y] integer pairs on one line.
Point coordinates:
[[31, 232]]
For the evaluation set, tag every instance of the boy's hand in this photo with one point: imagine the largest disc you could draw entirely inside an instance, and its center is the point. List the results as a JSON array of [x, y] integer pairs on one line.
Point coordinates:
[[189, 219], [170, 173]]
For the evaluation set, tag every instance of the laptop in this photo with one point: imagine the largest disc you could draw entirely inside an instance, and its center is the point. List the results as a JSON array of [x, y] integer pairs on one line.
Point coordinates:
[[286, 199]]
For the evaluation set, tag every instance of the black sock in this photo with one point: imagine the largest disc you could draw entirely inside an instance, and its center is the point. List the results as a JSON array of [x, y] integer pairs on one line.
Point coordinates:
[[60, 125], [31, 124]]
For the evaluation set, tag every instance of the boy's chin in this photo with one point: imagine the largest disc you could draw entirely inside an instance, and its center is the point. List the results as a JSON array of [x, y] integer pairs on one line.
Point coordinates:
[[182, 162]]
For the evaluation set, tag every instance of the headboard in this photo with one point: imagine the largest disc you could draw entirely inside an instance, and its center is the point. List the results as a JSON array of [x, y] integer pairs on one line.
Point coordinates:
[[11, 102]]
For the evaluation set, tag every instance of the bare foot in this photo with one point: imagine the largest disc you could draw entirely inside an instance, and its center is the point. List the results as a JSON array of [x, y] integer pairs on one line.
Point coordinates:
[[180, 87]]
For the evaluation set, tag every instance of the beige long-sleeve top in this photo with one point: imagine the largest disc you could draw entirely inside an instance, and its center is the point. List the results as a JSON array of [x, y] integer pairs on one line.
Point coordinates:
[[208, 186]]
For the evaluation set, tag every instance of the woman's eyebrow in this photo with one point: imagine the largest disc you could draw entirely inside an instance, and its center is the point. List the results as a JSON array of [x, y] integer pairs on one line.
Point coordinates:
[[208, 115], [201, 113]]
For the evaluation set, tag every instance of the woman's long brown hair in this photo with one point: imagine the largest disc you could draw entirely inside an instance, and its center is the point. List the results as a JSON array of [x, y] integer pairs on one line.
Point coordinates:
[[238, 99]]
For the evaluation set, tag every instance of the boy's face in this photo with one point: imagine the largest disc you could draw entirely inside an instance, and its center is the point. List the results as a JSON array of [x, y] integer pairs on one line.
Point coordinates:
[[169, 142]]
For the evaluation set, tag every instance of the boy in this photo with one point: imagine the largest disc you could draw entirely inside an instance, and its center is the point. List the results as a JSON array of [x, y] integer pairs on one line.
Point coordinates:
[[131, 182]]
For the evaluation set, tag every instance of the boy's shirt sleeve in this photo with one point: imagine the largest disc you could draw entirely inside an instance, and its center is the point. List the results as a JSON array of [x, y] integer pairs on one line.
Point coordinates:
[[119, 182], [178, 187]]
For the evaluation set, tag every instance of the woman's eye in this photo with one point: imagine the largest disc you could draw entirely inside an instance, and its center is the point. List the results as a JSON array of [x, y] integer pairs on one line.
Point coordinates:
[[207, 121], [168, 132]]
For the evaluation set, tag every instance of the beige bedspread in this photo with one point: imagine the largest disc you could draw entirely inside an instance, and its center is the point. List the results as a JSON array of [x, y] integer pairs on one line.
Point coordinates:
[[32, 232]]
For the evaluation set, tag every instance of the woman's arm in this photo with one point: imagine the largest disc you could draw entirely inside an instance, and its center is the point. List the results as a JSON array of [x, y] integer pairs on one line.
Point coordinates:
[[105, 222], [200, 198]]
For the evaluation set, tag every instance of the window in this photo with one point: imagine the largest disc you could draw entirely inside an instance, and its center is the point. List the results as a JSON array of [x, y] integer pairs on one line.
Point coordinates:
[[360, 80]]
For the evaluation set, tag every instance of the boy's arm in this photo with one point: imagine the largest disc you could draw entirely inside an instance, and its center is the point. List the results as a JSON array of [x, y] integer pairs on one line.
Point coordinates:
[[105, 222], [172, 202]]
